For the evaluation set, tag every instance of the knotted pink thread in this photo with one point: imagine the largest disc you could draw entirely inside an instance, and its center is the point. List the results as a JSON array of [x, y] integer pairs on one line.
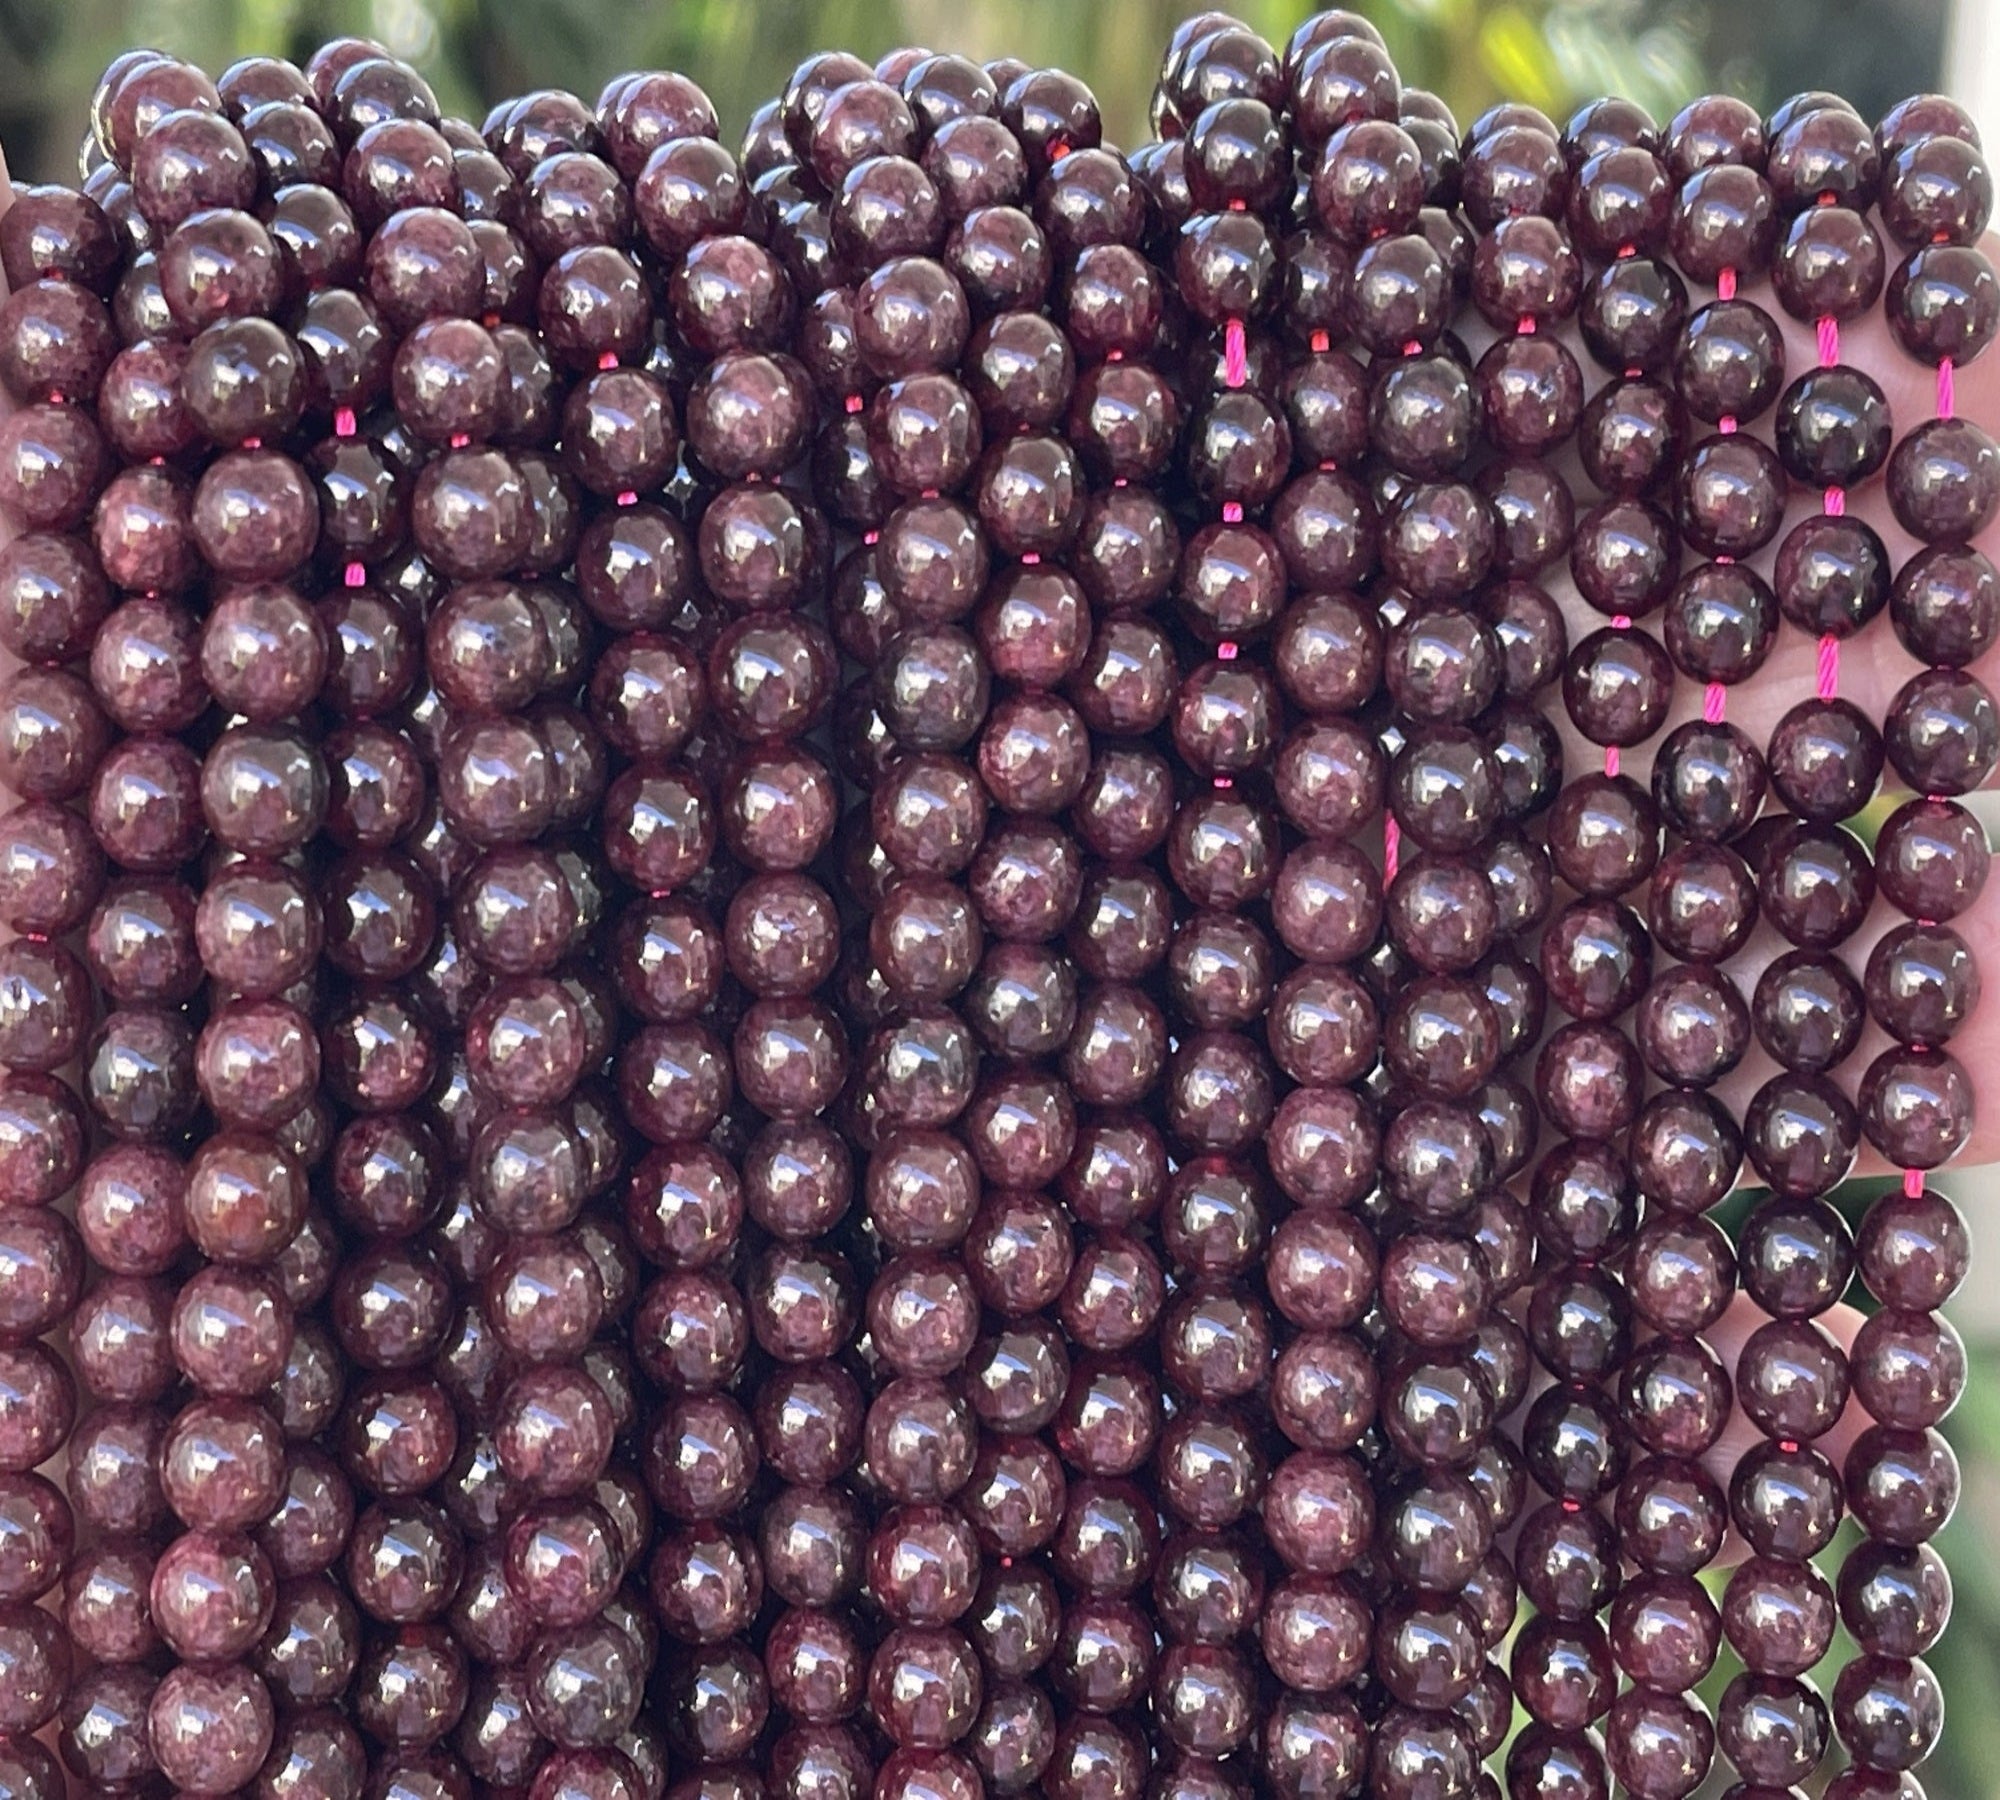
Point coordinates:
[[1619, 622], [1235, 354], [1392, 838], [1834, 501], [1712, 701]]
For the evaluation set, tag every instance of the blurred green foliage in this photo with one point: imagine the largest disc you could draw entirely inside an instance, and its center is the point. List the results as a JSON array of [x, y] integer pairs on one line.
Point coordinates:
[[1551, 52]]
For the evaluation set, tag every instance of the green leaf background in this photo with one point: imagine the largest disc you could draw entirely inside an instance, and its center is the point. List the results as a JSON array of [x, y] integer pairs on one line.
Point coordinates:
[[1552, 52]]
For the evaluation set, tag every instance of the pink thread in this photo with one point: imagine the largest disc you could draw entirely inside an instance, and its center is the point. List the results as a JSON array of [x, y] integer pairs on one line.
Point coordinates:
[[1232, 512], [1030, 558], [1829, 666], [460, 439], [1235, 354], [853, 403], [628, 497], [1947, 390], [1526, 325], [355, 575], [1913, 1183], [1725, 284], [1619, 622], [1225, 781], [609, 360], [1836, 503], [1392, 841], [1726, 425], [1829, 340], [1319, 343], [1712, 700], [1226, 650], [343, 421]]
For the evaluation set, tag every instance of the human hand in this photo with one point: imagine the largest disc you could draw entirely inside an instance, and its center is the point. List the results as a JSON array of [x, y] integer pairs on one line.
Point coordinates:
[[1872, 669]]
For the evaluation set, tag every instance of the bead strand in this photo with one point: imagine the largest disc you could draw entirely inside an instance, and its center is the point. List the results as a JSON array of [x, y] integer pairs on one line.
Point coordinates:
[[542, 503], [1324, 1027], [52, 737], [1915, 1099]]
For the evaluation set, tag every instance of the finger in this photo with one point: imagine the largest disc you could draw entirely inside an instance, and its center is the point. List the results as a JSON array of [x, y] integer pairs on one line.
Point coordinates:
[[1872, 668], [1874, 665], [1740, 1436], [1976, 1044]]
